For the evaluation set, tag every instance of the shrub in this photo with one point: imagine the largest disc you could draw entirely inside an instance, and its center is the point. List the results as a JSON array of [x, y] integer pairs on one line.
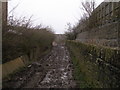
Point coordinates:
[[21, 37]]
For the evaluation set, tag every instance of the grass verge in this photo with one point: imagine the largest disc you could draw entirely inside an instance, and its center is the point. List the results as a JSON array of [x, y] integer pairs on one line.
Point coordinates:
[[77, 74]]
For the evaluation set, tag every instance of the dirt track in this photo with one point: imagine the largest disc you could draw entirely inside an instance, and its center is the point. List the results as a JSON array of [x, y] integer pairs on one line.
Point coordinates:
[[52, 71]]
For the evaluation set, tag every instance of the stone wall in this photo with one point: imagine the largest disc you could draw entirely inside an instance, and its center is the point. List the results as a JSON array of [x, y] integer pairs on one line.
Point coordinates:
[[106, 35], [104, 26], [99, 65]]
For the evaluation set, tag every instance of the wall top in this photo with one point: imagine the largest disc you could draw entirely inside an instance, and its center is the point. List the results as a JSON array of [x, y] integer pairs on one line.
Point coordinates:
[[4, 0], [111, 0]]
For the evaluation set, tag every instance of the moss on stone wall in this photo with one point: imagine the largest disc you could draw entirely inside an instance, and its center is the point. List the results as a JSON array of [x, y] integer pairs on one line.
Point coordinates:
[[99, 65]]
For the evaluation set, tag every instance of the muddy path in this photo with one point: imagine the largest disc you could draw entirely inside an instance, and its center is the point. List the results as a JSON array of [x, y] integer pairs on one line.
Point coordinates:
[[52, 71]]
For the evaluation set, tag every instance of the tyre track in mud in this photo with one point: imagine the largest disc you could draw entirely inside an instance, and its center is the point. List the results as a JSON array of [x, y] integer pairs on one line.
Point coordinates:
[[53, 71]]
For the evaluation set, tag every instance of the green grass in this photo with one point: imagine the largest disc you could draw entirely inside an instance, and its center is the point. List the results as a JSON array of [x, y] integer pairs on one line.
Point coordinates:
[[77, 74]]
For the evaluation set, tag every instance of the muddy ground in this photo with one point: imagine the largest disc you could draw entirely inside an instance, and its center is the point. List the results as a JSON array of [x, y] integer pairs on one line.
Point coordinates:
[[53, 71]]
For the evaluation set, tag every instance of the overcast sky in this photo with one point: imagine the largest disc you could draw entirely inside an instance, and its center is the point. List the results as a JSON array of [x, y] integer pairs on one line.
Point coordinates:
[[54, 13]]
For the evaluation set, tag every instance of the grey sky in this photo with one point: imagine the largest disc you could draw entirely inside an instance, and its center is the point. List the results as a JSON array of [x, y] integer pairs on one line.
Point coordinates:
[[54, 13]]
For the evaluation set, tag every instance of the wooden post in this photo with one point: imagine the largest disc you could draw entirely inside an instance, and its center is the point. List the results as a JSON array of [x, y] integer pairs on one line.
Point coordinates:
[[0, 45], [0, 17], [4, 15], [3, 22], [119, 26]]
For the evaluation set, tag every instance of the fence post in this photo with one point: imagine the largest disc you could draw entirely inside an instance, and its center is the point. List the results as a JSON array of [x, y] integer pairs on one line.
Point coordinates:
[[118, 29], [4, 12]]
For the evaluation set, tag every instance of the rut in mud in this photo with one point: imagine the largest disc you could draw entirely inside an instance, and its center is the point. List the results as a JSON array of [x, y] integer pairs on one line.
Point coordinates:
[[52, 71]]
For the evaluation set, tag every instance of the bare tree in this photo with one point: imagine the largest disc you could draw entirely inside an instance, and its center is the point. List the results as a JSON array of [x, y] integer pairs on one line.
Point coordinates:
[[88, 7]]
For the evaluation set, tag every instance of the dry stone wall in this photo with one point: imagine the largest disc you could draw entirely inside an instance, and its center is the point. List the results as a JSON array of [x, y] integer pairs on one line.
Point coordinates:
[[106, 35], [99, 65]]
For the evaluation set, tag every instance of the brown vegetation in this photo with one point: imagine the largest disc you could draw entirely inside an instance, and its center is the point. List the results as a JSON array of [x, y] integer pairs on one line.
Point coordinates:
[[21, 37]]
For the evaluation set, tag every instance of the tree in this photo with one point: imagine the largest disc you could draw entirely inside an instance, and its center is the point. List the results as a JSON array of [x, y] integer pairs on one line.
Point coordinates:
[[88, 7], [84, 22], [87, 19]]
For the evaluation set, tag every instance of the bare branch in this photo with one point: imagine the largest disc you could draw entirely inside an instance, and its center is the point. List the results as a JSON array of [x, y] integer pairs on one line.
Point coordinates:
[[88, 7]]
